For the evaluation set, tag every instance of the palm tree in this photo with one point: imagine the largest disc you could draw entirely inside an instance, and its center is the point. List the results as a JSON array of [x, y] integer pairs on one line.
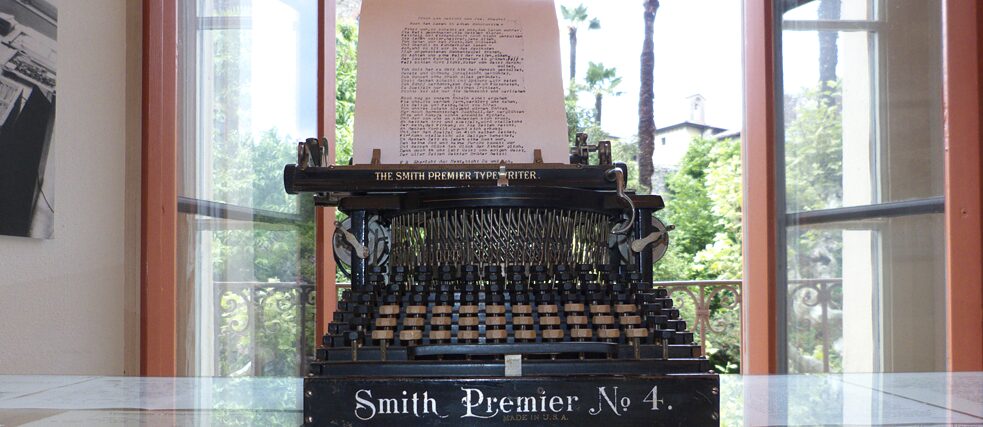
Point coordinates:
[[575, 18], [601, 81], [646, 99], [829, 10]]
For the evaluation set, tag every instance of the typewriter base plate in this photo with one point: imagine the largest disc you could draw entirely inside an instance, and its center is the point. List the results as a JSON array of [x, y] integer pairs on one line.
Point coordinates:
[[674, 399]]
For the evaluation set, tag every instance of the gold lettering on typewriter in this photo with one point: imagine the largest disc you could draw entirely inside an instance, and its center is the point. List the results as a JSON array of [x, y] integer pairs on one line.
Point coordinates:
[[434, 176]]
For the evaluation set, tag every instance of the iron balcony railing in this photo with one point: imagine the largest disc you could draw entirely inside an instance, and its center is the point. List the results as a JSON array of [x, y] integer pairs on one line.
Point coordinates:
[[248, 314]]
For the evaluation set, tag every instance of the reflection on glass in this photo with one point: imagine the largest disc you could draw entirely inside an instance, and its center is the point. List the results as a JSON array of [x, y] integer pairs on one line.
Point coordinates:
[[828, 130], [815, 300], [862, 127], [247, 288], [831, 10], [865, 296]]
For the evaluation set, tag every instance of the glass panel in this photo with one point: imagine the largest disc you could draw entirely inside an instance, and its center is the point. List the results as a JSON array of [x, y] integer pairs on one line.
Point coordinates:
[[255, 98], [246, 248], [863, 110], [809, 10], [863, 126], [828, 128], [867, 296], [254, 297]]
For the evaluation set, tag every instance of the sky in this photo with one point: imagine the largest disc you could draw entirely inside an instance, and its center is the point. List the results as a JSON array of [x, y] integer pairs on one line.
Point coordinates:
[[697, 51]]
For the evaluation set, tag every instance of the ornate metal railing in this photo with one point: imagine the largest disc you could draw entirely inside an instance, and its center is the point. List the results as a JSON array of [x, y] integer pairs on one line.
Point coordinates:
[[253, 321], [813, 302], [700, 295], [243, 310]]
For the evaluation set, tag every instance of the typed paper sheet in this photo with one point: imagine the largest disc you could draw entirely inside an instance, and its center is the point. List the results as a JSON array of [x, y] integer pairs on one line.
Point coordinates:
[[459, 81]]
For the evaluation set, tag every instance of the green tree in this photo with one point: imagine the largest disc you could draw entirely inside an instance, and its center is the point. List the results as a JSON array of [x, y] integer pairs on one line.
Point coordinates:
[[689, 208], [575, 19], [704, 203], [721, 258], [813, 180], [246, 170], [346, 65], [601, 81]]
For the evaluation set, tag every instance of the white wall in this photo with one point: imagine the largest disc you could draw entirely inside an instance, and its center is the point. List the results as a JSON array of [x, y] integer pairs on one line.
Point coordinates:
[[62, 308], [677, 143]]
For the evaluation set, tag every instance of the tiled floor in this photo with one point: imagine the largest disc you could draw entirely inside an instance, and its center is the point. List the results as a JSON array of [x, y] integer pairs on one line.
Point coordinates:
[[854, 399]]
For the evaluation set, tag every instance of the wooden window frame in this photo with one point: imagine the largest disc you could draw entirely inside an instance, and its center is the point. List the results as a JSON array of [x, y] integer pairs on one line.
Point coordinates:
[[761, 322], [962, 52], [158, 230], [763, 313], [159, 200], [326, 286]]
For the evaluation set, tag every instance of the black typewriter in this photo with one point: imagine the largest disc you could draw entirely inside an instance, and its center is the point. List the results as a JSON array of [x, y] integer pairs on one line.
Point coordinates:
[[499, 293]]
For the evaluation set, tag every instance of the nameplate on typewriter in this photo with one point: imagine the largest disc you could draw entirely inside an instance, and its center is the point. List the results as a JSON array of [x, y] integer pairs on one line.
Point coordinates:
[[522, 400]]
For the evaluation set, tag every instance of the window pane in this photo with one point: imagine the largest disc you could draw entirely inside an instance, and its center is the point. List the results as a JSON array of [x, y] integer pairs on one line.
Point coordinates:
[[863, 126], [831, 10], [253, 300], [867, 296], [246, 248], [828, 132], [863, 121]]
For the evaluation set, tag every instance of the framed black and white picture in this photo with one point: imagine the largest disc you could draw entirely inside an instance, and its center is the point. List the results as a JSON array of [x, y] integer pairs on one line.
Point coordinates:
[[28, 31]]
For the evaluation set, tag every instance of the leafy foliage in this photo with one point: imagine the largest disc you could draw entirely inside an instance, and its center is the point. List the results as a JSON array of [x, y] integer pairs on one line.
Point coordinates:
[[601, 81], [346, 46], [246, 170], [576, 16], [704, 203], [814, 180]]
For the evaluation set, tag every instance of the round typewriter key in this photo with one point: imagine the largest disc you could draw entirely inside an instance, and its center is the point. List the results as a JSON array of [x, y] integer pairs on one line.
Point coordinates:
[[608, 333], [440, 335], [496, 334], [600, 308], [495, 320], [388, 310], [576, 320], [522, 320], [553, 334], [440, 320], [467, 321], [581, 333], [521, 309], [380, 334], [525, 334], [385, 322], [603, 319], [574, 307], [413, 321], [495, 309], [625, 308], [467, 335]]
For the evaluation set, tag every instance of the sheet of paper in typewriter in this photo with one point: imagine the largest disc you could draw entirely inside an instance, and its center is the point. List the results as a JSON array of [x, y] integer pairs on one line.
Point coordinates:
[[459, 81]]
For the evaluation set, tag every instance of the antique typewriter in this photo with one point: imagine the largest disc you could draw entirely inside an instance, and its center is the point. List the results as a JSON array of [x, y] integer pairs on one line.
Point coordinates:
[[493, 293]]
